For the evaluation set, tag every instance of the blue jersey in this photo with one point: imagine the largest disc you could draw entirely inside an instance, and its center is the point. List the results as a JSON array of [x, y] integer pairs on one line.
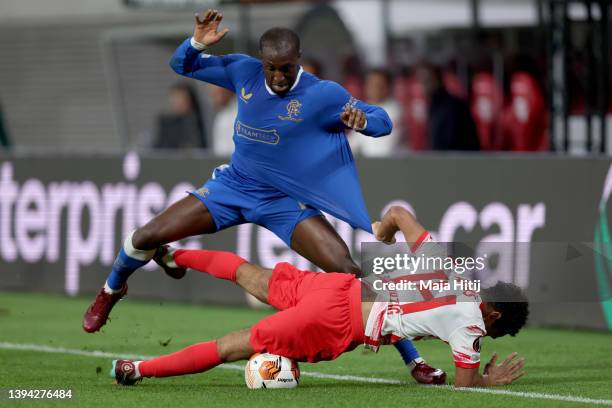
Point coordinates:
[[295, 142]]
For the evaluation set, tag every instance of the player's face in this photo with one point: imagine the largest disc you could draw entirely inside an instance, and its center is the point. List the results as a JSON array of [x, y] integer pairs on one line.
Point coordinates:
[[280, 69]]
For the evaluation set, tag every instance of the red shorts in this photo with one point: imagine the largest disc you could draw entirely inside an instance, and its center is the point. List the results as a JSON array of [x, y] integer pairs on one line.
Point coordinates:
[[319, 317]]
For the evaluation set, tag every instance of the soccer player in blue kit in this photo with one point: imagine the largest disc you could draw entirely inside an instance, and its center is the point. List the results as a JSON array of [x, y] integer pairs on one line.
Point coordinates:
[[291, 161]]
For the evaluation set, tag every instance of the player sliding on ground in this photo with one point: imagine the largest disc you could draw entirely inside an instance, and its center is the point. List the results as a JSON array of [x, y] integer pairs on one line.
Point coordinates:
[[322, 316], [292, 161]]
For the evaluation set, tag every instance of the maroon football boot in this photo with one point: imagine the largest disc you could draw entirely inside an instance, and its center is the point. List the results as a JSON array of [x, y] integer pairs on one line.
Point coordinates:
[[97, 313], [124, 372], [423, 373]]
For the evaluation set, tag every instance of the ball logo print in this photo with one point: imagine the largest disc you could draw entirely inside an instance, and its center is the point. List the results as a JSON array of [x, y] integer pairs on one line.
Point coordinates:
[[271, 371]]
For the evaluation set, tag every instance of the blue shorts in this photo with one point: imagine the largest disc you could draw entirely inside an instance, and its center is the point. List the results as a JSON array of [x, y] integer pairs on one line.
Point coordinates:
[[233, 198]]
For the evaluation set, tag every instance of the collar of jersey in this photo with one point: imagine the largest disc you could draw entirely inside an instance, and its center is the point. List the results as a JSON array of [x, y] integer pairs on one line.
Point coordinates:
[[297, 80]]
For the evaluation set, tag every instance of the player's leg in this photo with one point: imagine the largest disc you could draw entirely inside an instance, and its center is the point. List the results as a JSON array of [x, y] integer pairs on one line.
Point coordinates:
[[189, 216], [316, 240], [193, 359], [206, 210], [222, 265]]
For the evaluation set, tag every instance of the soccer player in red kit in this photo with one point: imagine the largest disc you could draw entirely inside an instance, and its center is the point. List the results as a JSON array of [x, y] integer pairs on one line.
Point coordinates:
[[322, 315]]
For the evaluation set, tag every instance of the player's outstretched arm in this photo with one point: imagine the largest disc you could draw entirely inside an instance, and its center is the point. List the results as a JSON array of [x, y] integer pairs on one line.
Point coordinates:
[[187, 60], [494, 374]]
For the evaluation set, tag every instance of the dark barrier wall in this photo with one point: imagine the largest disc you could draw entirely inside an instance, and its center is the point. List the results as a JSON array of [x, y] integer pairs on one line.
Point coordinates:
[[62, 220]]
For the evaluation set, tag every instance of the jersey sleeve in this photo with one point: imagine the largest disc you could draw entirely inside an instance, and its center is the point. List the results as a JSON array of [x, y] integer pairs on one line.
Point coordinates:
[[218, 70], [334, 99], [465, 345]]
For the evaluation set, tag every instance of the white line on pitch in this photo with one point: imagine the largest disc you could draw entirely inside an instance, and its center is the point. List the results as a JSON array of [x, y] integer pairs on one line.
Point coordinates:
[[104, 354]]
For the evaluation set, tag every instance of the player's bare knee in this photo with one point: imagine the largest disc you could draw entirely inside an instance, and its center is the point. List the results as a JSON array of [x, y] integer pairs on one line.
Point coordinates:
[[145, 238], [254, 279], [235, 346]]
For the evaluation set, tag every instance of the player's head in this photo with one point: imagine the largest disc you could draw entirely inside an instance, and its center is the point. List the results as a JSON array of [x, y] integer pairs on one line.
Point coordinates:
[[505, 309], [279, 49]]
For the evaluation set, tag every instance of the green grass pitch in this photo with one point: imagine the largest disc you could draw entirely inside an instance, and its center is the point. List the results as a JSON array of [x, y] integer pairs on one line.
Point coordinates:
[[559, 362]]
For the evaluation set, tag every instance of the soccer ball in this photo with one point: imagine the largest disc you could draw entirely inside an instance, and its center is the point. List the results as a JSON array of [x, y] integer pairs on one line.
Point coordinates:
[[271, 371]]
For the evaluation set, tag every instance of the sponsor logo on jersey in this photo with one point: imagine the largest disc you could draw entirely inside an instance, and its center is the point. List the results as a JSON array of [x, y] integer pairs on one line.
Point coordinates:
[[257, 135], [245, 96], [293, 110]]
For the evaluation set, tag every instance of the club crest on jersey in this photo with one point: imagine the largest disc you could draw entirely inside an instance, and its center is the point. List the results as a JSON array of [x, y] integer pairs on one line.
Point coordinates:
[[293, 110], [245, 96]]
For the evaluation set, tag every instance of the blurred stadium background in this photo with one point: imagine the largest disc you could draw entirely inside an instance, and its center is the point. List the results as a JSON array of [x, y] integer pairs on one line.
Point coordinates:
[[98, 134]]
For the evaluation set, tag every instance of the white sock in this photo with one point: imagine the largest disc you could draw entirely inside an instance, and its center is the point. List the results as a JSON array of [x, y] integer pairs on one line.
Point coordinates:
[[110, 290], [139, 254], [137, 371], [168, 259], [414, 362]]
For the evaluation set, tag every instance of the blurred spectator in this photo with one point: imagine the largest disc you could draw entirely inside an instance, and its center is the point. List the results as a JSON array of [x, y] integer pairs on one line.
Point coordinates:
[[486, 107], [409, 93], [312, 66], [224, 104], [352, 76], [450, 123], [378, 91], [524, 121], [4, 139], [182, 126]]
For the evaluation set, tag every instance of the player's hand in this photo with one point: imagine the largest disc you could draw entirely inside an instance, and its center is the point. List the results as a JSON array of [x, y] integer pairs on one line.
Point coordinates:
[[353, 118], [206, 28], [387, 237], [506, 372]]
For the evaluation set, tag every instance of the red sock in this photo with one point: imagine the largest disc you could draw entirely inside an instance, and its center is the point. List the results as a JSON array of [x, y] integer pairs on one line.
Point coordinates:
[[220, 264], [193, 359]]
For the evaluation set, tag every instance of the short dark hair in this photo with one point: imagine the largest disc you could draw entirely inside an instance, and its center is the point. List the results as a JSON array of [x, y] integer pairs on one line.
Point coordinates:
[[279, 38], [511, 302]]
